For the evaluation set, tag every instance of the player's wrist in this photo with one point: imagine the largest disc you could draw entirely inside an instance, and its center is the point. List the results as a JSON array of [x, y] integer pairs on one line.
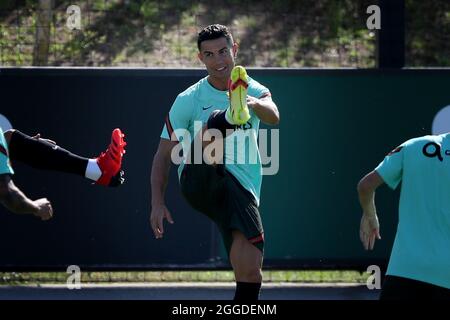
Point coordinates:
[[158, 204], [369, 210], [35, 209], [370, 213]]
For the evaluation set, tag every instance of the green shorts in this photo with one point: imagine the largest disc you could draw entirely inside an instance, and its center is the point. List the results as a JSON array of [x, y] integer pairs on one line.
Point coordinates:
[[218, 194]]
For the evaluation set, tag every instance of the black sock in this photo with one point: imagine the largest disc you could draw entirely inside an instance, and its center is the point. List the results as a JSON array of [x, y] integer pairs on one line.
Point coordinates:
[[217, 121], [40, 154], [247, 291]]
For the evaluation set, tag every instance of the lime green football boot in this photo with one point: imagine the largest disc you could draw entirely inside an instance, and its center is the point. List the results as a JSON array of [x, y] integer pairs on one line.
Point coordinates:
[[237, 89]]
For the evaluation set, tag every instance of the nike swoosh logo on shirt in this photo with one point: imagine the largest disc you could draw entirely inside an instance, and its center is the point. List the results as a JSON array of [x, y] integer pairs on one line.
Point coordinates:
[[206, 108]]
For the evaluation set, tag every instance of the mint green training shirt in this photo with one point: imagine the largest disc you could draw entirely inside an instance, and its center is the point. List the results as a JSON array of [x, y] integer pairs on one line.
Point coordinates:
[[242, 158], [421, 249], [5, 165]]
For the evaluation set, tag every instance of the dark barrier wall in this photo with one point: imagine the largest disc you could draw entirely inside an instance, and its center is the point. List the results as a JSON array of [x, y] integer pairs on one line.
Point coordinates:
[[336, 125]]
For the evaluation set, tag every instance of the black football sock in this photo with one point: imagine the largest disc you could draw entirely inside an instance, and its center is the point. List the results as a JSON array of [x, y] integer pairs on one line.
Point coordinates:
[[41, 154], [247, 291], [218, 121]]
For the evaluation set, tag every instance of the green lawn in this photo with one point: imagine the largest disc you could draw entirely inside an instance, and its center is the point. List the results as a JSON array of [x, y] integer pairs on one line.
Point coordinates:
[[11, 278]]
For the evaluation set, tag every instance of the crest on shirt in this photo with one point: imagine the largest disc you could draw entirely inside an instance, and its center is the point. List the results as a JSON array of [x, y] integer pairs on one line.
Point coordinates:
[[396, 150]]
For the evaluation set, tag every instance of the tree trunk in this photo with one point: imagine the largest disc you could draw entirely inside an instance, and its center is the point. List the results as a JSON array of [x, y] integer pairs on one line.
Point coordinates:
[[43, 28]]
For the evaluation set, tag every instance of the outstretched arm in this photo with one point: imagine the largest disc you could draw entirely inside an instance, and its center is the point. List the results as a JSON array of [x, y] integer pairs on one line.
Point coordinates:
[[369, 228], [159, 178], [16, 201], [265, 109]]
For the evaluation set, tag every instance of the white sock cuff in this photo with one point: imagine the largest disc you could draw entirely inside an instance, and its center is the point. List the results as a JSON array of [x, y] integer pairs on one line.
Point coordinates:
[[228, 116], [93, 171]]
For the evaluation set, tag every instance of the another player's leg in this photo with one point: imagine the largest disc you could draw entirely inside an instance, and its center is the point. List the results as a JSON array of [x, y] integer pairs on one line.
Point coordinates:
[[110, 161], [246, 260], [42, 154]]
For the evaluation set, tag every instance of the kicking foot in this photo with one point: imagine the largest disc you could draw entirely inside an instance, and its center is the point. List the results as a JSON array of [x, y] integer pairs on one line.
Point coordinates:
[[238, 111], [110, 161]]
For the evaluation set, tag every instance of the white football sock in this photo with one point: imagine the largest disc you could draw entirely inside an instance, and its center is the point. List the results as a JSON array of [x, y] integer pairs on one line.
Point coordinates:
[[228, 116], [93, 171]]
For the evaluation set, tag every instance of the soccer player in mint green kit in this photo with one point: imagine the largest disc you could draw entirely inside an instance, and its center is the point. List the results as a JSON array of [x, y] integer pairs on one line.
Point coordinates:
[[419, 266], [11, 197], [45, 154], [227, 192]]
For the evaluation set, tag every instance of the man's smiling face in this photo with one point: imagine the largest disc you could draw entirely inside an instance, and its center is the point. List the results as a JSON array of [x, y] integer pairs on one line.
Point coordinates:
[[218, 57]]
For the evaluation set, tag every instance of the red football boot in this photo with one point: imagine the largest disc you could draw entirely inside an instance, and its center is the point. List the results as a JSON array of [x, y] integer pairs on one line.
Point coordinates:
[[110, 161]]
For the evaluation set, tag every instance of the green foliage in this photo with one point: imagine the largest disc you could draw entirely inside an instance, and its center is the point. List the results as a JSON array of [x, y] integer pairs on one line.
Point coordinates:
[[277, 33], [306, 276], [427, 33], [103, 4], [149, 10]]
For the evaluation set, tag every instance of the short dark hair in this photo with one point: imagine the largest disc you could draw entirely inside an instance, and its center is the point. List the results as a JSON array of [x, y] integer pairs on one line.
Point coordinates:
[[214, 31]]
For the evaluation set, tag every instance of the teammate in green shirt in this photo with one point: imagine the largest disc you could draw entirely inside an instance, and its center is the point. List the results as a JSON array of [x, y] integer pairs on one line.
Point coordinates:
[[419, 266]]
